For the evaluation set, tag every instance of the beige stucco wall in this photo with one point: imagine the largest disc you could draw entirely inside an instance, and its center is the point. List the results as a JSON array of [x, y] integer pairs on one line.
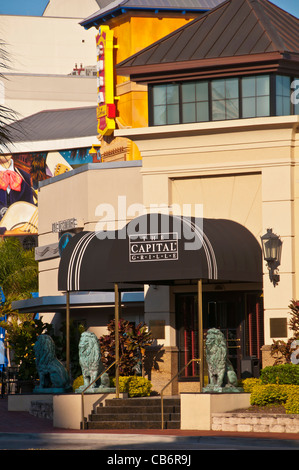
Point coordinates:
[[46, 45], [28, 94], [244, 170], [85, 194], [42, 53]]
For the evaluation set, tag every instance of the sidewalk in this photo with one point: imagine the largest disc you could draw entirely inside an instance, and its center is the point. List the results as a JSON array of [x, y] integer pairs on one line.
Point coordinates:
[[24, 423]]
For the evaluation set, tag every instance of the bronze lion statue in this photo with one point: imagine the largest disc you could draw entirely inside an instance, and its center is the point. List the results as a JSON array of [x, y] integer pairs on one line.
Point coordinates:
[[222, 376], [52, 373]]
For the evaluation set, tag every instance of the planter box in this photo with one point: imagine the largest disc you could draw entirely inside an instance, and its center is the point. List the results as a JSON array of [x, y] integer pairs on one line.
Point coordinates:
[[197, 408]]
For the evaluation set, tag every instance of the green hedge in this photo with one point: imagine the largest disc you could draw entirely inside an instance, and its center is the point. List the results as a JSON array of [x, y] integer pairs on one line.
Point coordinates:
[[272, 394], [287, 374], [135, 386]]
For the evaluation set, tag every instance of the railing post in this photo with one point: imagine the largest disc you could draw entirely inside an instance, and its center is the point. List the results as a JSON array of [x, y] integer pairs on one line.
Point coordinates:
[[67, 332], [200, 335], [116, 303]]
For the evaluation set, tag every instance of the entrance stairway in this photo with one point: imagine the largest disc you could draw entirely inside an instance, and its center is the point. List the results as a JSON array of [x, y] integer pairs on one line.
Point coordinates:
[[135, 413]]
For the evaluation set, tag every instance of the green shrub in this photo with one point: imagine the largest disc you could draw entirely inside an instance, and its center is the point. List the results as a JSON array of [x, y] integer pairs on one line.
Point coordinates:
[[292, 403], [135, 386], [78, 382], [249, 383], [287, 374], [269, 394]]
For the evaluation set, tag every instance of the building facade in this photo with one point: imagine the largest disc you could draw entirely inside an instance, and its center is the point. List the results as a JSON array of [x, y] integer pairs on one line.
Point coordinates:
[[219, 139]]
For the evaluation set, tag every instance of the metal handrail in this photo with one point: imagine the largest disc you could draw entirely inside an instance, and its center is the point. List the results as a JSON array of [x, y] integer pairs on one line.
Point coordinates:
[[83, 391], [173, 378]]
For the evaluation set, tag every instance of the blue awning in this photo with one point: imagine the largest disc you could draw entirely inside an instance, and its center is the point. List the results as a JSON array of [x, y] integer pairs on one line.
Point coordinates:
[[57, 303]]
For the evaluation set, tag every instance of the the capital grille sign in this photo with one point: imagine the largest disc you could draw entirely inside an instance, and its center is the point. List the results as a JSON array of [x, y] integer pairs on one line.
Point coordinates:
[[153, 247]]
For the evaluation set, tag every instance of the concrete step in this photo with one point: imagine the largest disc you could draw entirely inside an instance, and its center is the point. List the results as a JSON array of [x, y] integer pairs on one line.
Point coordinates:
[[138, 409], [131, 425], [135, 413], [139, 417], [146, 401]]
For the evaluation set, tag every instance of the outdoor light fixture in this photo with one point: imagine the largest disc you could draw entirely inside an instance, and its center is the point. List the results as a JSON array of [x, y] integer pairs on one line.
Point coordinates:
[[271, 246]]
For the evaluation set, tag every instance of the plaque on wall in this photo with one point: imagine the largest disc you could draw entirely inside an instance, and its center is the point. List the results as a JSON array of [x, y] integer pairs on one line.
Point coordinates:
[[157, 328], [278, 328]]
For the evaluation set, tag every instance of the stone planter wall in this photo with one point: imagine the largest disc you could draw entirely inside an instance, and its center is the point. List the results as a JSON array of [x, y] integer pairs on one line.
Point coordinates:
[[247, 422]]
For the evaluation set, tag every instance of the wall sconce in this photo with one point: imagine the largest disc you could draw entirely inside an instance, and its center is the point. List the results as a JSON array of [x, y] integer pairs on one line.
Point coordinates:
[[271, 246], [95, 152]]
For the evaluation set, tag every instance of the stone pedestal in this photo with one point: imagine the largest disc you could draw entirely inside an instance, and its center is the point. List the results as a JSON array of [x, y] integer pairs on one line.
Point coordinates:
[[197, 408]]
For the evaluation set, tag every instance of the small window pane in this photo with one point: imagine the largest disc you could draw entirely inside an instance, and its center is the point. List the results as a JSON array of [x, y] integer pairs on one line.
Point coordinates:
[[159, 94], [202, 111], [172, 94], [218, 89], [295, 95], [263, 106], [159, 115], [248, 87], [283, 95], [232, 88], [248, 107], [232, 109], [279, 85], [173, 114], [218, 110], [202, 91], [189, 112], [188, 92], [262, 85]]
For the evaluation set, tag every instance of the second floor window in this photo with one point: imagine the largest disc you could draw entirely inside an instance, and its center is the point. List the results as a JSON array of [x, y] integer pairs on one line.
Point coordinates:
[[221, 99]]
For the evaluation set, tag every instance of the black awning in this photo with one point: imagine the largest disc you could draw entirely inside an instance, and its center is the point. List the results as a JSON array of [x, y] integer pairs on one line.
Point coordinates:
[[157, 248]]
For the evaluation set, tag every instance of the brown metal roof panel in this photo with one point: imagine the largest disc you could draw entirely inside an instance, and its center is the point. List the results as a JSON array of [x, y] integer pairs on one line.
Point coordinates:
[[187, 36], [231, 23], [224, 15], [201, 44]]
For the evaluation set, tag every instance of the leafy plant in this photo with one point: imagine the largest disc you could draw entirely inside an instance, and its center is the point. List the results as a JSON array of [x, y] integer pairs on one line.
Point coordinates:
[[18, 270], [134, 386], [287, 374], [21, 334], [281, 350], [75, 332], [132, 343]]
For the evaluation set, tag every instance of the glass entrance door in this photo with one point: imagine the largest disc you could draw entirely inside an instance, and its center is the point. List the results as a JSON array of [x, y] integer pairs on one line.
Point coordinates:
[[237, 314]]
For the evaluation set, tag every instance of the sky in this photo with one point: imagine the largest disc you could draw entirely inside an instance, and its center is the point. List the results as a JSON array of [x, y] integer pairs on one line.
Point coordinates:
[[36, 7]]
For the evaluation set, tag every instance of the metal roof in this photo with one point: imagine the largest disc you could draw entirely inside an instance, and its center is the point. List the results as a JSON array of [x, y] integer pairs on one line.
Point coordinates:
[[55, 124], [233, 29], [117, 7]]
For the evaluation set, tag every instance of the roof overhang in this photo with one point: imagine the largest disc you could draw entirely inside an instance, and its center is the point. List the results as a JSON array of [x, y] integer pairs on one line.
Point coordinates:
[[86, 300], [207, 68], [108, 13], [160, 249]]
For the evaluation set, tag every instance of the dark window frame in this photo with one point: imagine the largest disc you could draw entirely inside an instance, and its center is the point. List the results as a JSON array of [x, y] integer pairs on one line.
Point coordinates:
[[272, 98]]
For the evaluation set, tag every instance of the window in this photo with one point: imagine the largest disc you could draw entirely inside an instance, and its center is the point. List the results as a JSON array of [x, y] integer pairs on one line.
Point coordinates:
[[166, 104], [283, 98], [223, 99], [195, 101], [256, 96]]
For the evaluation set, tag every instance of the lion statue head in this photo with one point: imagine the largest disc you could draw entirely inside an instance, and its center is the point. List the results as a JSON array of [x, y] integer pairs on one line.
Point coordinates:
[[44, 350], [89, 351]]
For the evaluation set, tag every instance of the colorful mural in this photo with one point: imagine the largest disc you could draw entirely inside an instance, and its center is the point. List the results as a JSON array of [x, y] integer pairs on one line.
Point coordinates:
[[19, 178]]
